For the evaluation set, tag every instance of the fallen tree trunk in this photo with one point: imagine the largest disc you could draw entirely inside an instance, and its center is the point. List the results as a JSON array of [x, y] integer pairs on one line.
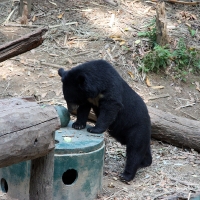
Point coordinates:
[[187, 2], [22, 45], [178, 131], [26, 131]]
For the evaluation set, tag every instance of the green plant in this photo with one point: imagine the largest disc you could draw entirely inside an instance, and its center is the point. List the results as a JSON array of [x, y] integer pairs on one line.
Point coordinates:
[[181, 57], [151, 32], [158, 58], [181, 75], [186, 58], [192, 32], [196, 60]]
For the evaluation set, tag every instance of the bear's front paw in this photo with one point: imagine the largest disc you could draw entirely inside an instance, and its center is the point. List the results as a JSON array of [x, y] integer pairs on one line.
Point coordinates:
[[125, 177], [95, 130], [78, 126]]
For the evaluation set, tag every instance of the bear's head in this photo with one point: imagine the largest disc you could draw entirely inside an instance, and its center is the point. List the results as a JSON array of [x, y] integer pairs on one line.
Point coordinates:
[[73, 88]]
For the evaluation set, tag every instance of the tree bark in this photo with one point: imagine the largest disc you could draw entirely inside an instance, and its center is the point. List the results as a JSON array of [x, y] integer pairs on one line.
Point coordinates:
[[26, 131], [187, 2], [161, 25], [21, 45], [41, 181], [178, 131], [28, 2]]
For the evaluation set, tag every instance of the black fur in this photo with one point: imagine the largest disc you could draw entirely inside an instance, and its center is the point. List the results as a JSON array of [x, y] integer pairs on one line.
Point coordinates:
[[119, 109]]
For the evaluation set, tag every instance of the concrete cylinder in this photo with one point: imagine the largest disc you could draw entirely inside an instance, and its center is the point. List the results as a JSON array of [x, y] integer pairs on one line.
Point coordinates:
[[78, 164]]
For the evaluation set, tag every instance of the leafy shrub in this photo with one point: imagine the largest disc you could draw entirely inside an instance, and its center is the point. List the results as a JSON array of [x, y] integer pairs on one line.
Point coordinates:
[[158, 58], [150, 33]]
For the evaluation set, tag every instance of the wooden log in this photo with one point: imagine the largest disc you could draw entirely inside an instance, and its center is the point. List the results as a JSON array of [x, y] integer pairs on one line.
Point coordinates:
[[25, 12], [178, 131], [21, 7], [187, 2], [26, 131], [41, 181], [21, 45], [161, 25]]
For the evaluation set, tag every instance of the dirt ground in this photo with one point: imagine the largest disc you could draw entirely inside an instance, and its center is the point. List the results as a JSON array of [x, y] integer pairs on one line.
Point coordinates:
[[80, 31]]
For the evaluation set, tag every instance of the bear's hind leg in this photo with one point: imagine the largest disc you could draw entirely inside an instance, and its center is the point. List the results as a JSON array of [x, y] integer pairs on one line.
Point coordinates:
[[147, 160], [133, 160], [136, 147]]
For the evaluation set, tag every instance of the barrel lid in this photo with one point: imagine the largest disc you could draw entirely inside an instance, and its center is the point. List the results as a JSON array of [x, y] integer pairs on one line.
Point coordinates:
[[69, 140]]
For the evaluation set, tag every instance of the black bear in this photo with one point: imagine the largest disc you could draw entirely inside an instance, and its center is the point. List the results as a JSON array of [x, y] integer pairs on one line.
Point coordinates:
[[119, 110]]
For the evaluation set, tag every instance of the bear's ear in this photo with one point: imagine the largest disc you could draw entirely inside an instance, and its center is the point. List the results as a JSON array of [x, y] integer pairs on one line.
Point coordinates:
[[61, 71]]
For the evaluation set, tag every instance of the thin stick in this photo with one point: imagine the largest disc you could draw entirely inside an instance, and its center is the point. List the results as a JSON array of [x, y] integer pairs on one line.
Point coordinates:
[[5, 88], [187, 105], [184, 183], [159, 96], [189, 115], [22, 45], [111, 58], [111, 2], [181, 2], [162, 194], [80, 54], [112, 19], [66, 39], [51, 65], [9, 16], [69, 23], [94, 3], [28, 87], [189, 195], [114, 194], [10, 24], [42, 101]]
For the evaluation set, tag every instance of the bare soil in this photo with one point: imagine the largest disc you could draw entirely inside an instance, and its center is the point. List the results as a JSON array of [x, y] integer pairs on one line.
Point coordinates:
[[80, 31]]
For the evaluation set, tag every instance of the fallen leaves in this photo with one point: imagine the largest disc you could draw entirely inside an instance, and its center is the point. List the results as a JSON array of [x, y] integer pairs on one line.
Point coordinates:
[[53, 3], [131, 74], [4, 76], [158, 87], [43, 95], [197, 86], [148, 83], [119, 39], [178, 89], [34, 18], [111, 185], [60, 16], [137, 41], [188, 16]]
